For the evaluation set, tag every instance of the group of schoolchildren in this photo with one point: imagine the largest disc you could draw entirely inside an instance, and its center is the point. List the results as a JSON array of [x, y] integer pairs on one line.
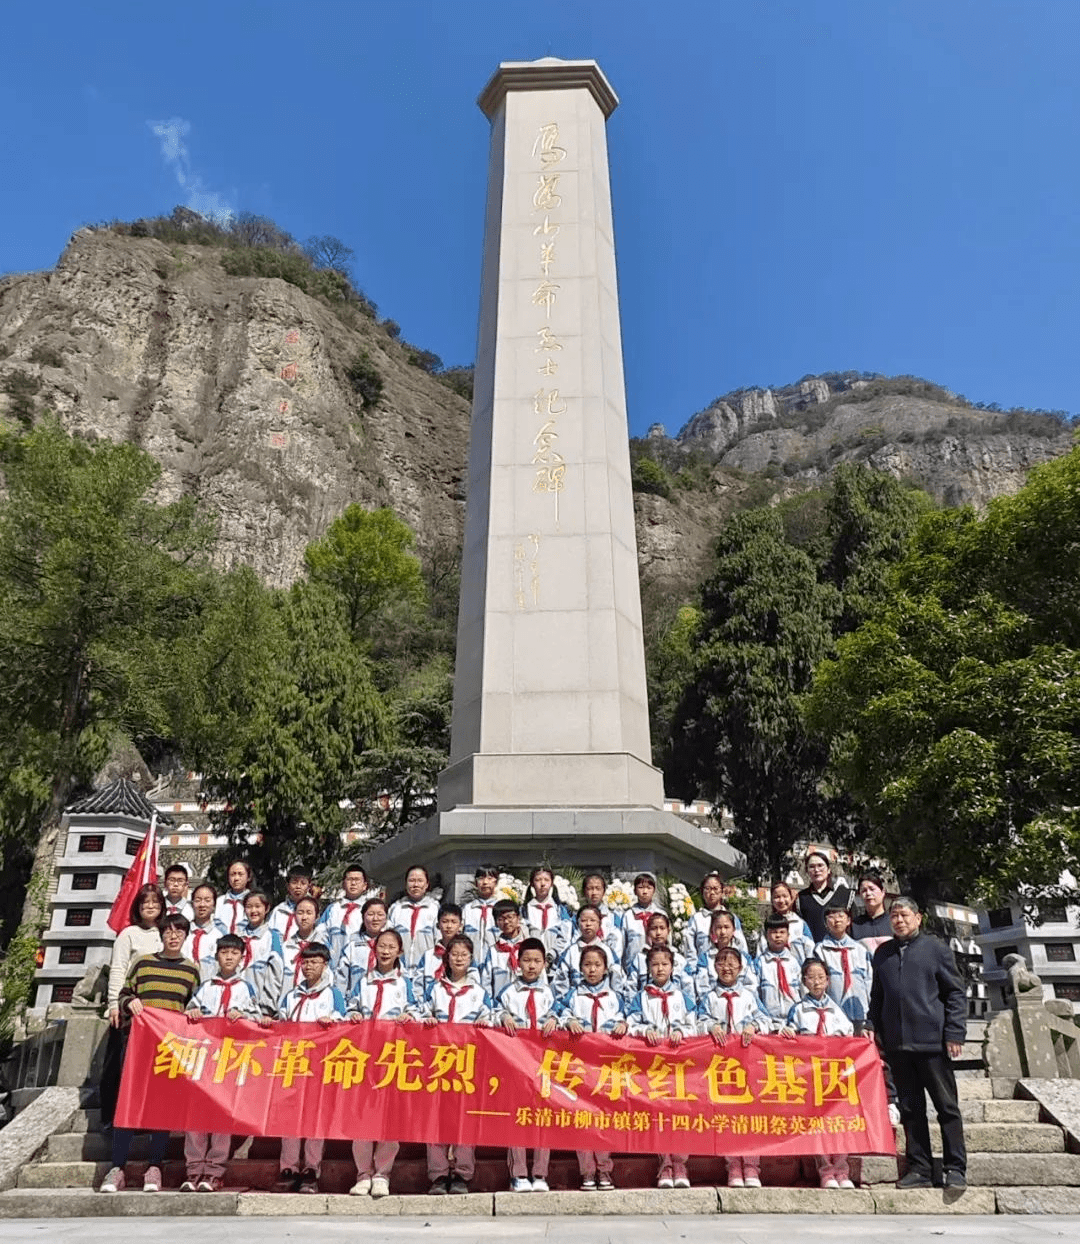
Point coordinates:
[[493, 962]]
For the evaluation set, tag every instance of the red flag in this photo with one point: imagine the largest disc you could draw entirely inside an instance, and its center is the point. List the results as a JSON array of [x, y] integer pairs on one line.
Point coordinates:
[[143, 871]]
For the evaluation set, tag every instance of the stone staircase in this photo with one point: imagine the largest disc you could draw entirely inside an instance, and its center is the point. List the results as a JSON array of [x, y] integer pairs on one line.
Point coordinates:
[[1017, 1164]]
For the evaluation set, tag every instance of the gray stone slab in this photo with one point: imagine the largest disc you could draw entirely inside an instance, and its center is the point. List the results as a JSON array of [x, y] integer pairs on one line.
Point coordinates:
[[878, 1170], [1060, 1099], [84, 1203], [1002, 1087], [474, 1205], [796, 1201], [934, 1201], [1009, 1111], [1038, 1200], [975, 1088], [634, 1201], [63, 1175], [1017, 1169], [1001, 1138], [28, 1132]]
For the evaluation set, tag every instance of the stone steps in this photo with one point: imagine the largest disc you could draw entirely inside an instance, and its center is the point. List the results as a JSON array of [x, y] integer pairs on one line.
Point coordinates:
[[991, 1170], [1001, 1138], [75, 1203]]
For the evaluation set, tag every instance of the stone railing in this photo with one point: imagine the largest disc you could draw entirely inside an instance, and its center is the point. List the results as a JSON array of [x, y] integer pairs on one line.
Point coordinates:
[[1032, 1038], [66, 1051]]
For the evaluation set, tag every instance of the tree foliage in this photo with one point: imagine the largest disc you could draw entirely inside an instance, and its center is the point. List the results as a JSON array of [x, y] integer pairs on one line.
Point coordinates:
[[953, 712]]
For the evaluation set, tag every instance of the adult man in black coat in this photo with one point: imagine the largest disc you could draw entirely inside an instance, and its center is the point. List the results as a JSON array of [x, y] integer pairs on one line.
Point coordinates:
[[918, 1009]]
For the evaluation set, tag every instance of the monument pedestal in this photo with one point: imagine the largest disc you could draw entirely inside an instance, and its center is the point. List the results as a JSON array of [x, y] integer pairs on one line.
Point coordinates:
[[614, 841]]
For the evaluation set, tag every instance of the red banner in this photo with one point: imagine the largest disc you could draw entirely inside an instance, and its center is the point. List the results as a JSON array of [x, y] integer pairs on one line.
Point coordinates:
[[481, 1086]]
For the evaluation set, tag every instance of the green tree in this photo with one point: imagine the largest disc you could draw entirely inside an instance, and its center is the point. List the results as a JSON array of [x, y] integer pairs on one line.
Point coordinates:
[[99, 590], [366, 557], [738, 736], [300, 749], [953, 713]]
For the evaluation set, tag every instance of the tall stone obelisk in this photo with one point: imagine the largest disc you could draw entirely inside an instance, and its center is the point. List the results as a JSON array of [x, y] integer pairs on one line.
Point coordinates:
[[550, 749]]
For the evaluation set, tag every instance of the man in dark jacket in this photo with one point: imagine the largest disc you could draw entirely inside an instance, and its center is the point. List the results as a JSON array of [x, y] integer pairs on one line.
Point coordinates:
[[918, 1009]]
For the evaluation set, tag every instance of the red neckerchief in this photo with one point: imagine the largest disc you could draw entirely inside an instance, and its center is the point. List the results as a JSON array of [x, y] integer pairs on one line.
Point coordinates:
[[226, 993], [663, 995], [730, 995], [511, 949], [299, 951], [845, 964], [596, 1007], [348, 909], [453, 998], [234, 903]]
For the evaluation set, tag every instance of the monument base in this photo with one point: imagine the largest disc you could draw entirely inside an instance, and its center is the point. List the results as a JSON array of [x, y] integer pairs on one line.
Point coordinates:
[[522, 780], [615, 841]]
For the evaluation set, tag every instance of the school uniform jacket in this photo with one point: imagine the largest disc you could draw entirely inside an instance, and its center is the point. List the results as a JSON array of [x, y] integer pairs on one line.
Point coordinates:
[[637, 975], [200, 946], [354, 963], [850, 974], [182, 907], [823, 1018], [463, 1003], [732, 1007], [341, 922], [418, 925], [478, 922], [501, 965], [779, 983], [800, 939], [433, 966], [695, 937], [219, 995], [290, 954], [567, 972], [263, 965], [550, 922], [388, 996], [514, 1001], [634, 920], [308, 1002], [705, 973], [597, 1009], [283, 920], [229, 910], [667, 1010]]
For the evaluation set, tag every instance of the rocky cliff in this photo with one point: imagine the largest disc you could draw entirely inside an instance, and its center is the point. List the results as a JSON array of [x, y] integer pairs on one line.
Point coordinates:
[[237, 386]]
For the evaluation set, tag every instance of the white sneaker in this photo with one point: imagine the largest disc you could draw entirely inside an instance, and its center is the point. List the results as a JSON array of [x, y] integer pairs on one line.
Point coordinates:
[[188, 1185], [152, 1179], [380, 1186], [520, 1184], [682, 1182], [752, 1181], [829, 1183], [361, 1188], [894, 1114], [847, 1183], [736, 1181], [540, 1185], [113, 1181], [588, 1185], [666, 1182]]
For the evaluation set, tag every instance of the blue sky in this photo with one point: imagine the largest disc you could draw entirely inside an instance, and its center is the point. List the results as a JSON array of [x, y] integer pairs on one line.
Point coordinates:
[[887, 185]]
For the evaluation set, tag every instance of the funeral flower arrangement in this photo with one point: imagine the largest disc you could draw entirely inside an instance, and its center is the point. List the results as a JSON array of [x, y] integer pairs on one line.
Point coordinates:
[[509, 886], [566, 894], [619, 895], [680, 908]]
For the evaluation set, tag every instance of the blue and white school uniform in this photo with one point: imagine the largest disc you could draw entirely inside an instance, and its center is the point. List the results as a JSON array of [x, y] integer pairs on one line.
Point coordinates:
[[514, 1001], [478, 921], [634, 922], [550, 922], [200, 946], [221, 994], [779, 983], [465, 1002], [182, 907], [418, 925], [354, 963], [340, 923], [696, 934], [501, 965], [637, 975], [850, 975], [567, 972], [732, 1007], [432, 966], [310, 1002], [283, 920], [666, 1009], [819, 1018], [291, 947], [385, 996], [596, 1008], [229, 910], [611, 930], [800, 939], [263, 965], [705, 977]]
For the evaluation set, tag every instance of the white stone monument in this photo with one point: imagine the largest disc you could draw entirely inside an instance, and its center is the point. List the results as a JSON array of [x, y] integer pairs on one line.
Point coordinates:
[[550, 755]]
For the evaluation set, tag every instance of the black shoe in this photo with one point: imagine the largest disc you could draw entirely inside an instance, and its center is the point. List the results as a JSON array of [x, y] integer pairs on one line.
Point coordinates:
[[308, 1182], [458, 1186], [955, 1179], [915, 1179], [440, 1186], [287, 1181]]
